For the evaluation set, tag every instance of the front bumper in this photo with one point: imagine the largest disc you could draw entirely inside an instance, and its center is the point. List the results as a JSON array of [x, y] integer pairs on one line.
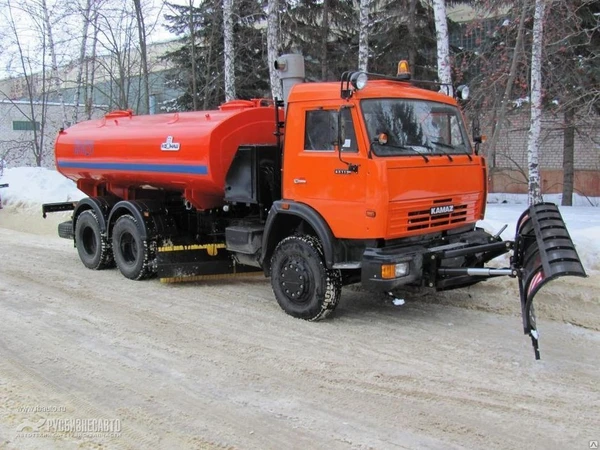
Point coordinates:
[[374, 258], [468, 249]]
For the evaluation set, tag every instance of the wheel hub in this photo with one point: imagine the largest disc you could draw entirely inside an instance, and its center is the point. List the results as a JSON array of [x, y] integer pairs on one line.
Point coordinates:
[[89, 241], [128, 248], [295, 281]]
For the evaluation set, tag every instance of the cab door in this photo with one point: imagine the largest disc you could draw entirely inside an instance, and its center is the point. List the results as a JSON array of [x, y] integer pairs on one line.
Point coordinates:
[[325, 170]]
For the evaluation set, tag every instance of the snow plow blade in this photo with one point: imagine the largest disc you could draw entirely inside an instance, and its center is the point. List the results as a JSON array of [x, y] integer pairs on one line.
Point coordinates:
[[543, 251]]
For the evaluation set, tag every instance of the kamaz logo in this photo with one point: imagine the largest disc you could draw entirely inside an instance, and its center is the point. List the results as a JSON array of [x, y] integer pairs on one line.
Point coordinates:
[[169, 145], [437, 210]]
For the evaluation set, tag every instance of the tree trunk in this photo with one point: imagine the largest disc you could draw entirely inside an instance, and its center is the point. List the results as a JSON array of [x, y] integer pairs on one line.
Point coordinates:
[[273, 46], [568, 157], [89, 104], [194, 80], [82, 52], [363, 36], [52, 51], [443, 47], [143, 55], [324, 38], [229, 50], [533, 142], [412, 38], [27, 78], [491, 152]]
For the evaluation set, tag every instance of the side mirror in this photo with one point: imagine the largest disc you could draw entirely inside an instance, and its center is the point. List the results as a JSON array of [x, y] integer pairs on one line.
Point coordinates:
[[478, 138], [341, 137]]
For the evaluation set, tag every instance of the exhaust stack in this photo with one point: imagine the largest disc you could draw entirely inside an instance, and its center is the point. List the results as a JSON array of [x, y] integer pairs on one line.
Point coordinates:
[[291, 72]]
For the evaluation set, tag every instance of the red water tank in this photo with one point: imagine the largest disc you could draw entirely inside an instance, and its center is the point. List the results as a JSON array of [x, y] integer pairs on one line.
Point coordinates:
[[188, 152]]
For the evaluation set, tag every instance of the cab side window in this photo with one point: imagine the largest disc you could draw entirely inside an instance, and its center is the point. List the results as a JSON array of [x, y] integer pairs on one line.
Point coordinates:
[[321, 131]]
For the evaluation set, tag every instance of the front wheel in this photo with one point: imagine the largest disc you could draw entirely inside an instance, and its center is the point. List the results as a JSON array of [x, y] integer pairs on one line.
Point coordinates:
[[302, 284]]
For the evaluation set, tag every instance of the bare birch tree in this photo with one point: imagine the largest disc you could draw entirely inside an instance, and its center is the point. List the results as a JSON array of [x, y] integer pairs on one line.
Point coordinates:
[[90, 69], [229, 50], [34, 109], [501, 117], [55, 78], [86, 18], [192, 26], [116, 30], [363, 35], [145, 94], [533, 141], [443, 47], [273, 46]]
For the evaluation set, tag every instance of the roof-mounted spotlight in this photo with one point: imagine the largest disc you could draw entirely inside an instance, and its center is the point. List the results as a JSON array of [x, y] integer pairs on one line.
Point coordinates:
[[462, 92], [359, 80]]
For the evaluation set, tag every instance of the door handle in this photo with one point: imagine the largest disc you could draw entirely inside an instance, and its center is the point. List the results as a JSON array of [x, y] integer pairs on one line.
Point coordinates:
[[299, 181]]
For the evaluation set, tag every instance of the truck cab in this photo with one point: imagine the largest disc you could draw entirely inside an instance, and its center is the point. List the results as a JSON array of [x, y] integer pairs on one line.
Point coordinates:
[[392, 161], [381, 172]]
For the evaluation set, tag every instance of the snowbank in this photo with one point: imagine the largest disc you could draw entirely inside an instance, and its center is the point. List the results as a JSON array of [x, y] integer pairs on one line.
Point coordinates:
[[32, 186], [583, 223], [29, 187]]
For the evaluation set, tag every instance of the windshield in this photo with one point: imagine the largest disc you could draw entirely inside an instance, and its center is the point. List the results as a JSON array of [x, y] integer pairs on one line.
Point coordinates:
[[414, 126]]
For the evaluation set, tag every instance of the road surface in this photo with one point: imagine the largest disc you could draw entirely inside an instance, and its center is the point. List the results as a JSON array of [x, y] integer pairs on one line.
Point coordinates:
[[218, 365]]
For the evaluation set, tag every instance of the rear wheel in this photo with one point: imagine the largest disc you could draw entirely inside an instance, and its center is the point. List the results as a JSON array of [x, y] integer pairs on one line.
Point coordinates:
[[94, 251], [303, 286], [131, 252]]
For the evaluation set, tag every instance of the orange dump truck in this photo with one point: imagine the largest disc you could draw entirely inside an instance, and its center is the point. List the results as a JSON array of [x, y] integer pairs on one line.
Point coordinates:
[[372, 179]]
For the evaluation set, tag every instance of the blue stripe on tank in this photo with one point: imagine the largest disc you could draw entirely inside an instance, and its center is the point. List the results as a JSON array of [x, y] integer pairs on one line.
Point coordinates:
[[136, 167]]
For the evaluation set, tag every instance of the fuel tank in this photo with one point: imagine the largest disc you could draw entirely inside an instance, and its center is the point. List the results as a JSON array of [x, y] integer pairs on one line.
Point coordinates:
[[187, 152]]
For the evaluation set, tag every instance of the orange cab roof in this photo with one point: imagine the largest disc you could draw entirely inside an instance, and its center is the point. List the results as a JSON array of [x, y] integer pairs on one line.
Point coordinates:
[[375, 88]]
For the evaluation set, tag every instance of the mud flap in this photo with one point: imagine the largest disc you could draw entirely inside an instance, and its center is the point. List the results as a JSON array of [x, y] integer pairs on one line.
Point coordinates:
[[543, 251]]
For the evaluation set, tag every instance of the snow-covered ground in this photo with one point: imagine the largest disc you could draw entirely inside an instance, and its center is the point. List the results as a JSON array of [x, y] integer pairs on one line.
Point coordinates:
[[217, 364], [29, 187]]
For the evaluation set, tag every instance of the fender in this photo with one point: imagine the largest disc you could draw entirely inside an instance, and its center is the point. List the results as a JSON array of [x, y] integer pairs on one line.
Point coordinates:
[[100, 205], [303, 212], [129, 207]]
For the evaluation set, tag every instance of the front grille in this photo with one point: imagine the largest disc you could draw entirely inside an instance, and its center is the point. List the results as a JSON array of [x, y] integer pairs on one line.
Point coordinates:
[[407, 217], [419, 220]]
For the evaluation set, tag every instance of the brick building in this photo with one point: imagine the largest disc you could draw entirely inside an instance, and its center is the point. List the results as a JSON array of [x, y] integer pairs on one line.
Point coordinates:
[[509, 167]]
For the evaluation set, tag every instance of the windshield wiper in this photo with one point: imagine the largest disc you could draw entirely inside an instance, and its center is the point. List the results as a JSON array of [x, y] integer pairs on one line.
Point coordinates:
[[443, 144], [404, 147]]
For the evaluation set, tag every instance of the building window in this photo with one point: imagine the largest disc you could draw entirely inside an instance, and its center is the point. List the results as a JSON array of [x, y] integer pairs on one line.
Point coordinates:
[[25, 125]]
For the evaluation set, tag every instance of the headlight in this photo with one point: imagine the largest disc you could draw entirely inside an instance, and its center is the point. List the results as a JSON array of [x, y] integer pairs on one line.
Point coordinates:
[[389, 271], [359, 80]]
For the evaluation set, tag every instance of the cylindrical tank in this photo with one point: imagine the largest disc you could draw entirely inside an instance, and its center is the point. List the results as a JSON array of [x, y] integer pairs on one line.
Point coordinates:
[[187, 152]]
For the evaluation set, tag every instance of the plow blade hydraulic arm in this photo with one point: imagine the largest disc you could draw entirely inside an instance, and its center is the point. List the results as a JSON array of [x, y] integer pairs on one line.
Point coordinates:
[[543, 251]]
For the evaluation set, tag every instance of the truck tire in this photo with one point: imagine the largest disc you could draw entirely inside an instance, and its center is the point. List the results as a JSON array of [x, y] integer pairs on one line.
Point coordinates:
[[303, 286], [94, 251], [131, 252]]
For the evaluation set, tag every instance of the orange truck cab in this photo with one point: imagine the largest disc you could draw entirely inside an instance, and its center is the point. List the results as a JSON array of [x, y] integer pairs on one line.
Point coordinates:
[[373, 179]]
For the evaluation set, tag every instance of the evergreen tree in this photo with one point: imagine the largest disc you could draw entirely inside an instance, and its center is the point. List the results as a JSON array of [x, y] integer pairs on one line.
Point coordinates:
[[251, 72], [325, 32], [403, 29]]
